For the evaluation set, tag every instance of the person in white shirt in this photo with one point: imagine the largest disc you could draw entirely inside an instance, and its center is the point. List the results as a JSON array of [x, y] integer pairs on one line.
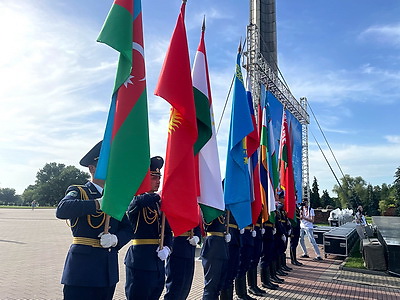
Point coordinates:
[[361, 223], [306, 227]]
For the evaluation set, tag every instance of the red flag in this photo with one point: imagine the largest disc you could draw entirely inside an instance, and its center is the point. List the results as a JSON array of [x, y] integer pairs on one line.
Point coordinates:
[[286, 168], [179, 197]]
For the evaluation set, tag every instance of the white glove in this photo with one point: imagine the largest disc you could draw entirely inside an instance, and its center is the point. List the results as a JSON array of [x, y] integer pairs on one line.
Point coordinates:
[[194, 240], [289, 232], [283, 238], [163, 253], [262, 230], [108, 240], [241, 231], [274, 231], [253, 233], [228, 237]]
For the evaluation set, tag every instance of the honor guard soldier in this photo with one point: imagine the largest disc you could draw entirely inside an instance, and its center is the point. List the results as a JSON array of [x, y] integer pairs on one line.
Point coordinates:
[[268, 275], [246, 250], [233, 260], [255, 259], [180, 265], [294, 239], [91, 266], [145, 258], [288, 230], [214, 257], [280, 235]]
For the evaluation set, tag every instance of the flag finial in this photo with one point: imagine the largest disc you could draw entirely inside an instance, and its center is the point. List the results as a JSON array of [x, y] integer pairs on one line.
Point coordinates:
[[203, 27], [184, 1], [240, 45]]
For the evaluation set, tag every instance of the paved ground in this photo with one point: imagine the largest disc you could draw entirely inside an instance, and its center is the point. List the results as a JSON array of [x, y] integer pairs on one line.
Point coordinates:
[[33, 245]]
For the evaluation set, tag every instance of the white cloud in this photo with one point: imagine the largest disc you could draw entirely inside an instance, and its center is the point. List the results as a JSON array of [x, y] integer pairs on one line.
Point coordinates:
[[374, 163], [385, 34], [395, 139]]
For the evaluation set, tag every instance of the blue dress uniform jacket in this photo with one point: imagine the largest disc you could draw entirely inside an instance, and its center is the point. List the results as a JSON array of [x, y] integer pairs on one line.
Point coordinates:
[[90, 265], [145, 271], [246, 251], [214, 258], [180, 266]]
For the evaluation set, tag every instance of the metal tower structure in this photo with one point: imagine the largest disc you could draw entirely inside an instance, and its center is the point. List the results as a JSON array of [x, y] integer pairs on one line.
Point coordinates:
[[262, 66]]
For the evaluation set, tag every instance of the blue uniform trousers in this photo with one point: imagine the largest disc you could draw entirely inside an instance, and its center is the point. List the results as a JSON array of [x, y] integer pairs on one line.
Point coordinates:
[[144, 284], [72, 292], [182, 271]]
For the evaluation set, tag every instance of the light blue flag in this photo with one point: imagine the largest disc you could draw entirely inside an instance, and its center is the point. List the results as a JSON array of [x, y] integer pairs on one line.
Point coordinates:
[[237, 187]]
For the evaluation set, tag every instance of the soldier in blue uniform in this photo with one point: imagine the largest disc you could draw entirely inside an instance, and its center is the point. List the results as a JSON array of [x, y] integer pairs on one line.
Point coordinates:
[[294, 239], [268, 275], [91, 266], [180, 265], [145, 258], [280, 238], [255, 259], [214, 257], [246, 250], [233, 260]]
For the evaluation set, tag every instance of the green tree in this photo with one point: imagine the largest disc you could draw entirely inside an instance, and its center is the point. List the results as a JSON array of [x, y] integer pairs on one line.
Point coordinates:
[[315, 200], [327, 200], [396, 187], [371, 205], [352, 191], [51, 183], [8, 196]]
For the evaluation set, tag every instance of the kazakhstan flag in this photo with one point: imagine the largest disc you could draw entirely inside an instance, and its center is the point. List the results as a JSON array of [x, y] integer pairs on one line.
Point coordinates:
[[237, 188]]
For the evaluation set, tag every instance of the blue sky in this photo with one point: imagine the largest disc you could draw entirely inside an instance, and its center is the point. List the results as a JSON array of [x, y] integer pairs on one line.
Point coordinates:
[[344, 56]]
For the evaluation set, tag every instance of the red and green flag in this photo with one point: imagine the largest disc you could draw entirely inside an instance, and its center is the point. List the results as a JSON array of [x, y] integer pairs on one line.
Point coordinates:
[[211, 198], [125, 153], [179, 192], [286, 168]]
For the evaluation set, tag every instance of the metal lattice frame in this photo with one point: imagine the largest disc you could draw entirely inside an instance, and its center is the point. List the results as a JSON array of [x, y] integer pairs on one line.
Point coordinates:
[[262, 73]]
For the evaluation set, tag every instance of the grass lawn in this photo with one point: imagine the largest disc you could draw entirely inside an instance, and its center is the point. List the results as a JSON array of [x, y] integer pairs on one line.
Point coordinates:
[[355, 259]]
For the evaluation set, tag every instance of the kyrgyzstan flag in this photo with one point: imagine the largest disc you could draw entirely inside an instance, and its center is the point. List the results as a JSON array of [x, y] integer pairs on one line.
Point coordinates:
[[286, 168], [179, 192]]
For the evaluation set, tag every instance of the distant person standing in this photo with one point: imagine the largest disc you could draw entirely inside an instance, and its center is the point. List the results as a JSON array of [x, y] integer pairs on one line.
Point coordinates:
[[361, 223], [307, 227], [33, 204]]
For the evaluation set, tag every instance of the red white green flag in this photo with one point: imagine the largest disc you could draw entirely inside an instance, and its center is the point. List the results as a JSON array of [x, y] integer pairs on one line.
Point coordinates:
[[122, 163], [211, 199], [179, 192]]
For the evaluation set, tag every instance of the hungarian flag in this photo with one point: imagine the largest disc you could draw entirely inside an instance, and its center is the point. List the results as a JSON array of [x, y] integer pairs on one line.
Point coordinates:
[[286, 169], [253, 143], [211, 198], [179, 192], [125, 155], [237, 191]]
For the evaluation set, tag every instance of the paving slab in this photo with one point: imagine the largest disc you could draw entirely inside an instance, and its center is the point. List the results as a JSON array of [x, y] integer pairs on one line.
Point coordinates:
[[33, 246]]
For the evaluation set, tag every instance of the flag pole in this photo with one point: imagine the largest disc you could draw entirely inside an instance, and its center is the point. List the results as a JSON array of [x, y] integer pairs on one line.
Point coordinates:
[[162, 231], [107, 223], [228, 215]]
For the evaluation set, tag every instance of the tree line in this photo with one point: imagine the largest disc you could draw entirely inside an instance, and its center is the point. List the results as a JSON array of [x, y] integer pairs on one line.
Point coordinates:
[[54, 178]]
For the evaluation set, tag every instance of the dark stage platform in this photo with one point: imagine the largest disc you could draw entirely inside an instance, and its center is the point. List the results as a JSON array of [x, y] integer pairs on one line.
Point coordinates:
[[388, 230]]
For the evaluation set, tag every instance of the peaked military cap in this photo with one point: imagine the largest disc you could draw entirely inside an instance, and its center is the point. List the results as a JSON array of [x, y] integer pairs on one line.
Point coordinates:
[[281, 195], [156, 163], [92, 156]]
